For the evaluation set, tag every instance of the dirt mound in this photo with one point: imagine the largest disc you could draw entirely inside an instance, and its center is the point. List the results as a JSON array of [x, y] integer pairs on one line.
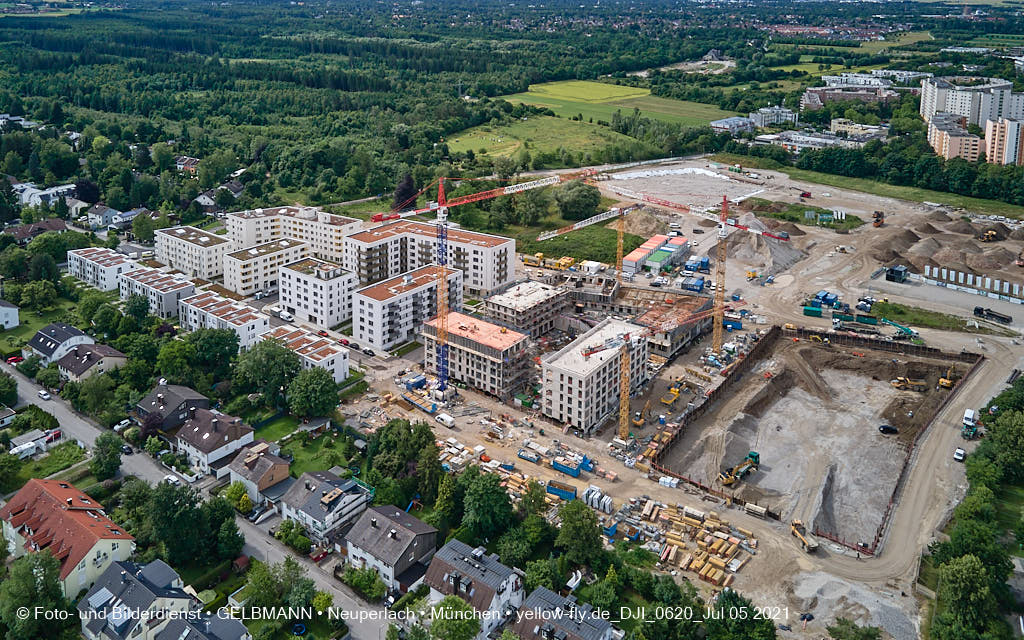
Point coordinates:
[[991, 260], [758, 251], [1017, 234], [641, 223], [1002, 231], [948, 255], [903, 240], [960, 226], [791, 229], [707, 223], [926, 247], [967, 245], [926, 228], [938, 216], [886, 255]]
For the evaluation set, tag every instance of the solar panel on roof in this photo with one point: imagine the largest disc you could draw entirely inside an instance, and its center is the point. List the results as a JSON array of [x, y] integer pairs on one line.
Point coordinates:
[[100, 598]]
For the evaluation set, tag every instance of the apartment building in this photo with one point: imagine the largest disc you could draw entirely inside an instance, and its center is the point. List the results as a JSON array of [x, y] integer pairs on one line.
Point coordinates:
[[583, 390], [530, 307], [1004, 141], [313, 350], [317, 291], [208, 310], [391, 312], [192, 251], [977, 99], [773, 116], [321, 503], [258, 268], [485, 356], [324, 232], [487, 262], [815, 97], [163, 290], [851, 128], [99, 266], [733, 125], [949, 138]]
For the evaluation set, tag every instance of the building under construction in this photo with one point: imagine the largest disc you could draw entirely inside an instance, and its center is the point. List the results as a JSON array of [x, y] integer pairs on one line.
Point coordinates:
[[484, 356], [529, 307]]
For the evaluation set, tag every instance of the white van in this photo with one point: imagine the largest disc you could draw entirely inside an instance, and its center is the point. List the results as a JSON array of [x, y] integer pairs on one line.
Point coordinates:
[[445, 419], [674, 225], [287, 317], [969, 417]]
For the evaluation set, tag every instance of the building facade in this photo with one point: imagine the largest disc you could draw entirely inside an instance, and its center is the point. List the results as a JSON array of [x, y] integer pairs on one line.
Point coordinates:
[[208, 436], [487, 262], [323, 231], [321, 502], [391, 312], [314, 351], [1004, 141], [54, 341], [317, 292], [949, 138], [208, 310], [258, 467], [153, 593], [583, 390], [393, 543], [99, 266], [977, 99], [530, 307], [258, 268], [485, 356], [163, 290], [9, 315], [774, 116], [89, 360], [733, 125], [195, 252]]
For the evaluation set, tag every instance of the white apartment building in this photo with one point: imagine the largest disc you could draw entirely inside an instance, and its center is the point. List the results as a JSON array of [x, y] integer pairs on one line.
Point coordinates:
[[1004, 141], [774, 115], [313, 350], [583, 390], [317, 291], [99, 266], [975, 98], [324, 232], [209, 310], [487, 262], [530, 307], [163, 290], [192, 251], [485, 356], [390, 313], [849, 79], [257, 268]]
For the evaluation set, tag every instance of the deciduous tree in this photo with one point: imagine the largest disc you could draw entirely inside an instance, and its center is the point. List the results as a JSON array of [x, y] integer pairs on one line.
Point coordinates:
[[106, 455], [579, 536], [312, 393]]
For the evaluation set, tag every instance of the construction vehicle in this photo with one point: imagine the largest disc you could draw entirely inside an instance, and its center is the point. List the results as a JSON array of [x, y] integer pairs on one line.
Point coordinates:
[[640, 417], [989, 314], [799, 531], [878, 218], [1020, 259], [672, 395], [751, 275], [729, 477], [907, 331], [805, 194], [536, 260], [911, 384], [969, 431], [947, 380], [990, 235]]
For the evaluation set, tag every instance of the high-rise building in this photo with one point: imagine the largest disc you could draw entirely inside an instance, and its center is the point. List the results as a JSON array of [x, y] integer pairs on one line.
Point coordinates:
[[323, 231], [949, 138], [258, 268], [1004, 141], [977, 99], [530, 307], [389, 313], [197, 253], [317, 291], [99, 266]]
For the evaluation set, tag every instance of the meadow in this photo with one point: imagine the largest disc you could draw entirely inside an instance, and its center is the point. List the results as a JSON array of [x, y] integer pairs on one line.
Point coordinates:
[[543, 134]]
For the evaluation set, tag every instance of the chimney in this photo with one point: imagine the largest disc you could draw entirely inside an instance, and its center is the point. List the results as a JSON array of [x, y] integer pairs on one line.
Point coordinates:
[[124, 576], [213, 424], [69, 502], [373, 522], [307, 485], [160, 399], [191, 412], [75, 350], [392, 533]]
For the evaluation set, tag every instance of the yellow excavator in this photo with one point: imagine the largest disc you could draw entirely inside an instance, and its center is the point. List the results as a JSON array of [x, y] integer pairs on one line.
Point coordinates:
[[948, 380], [799, 531], [989, 236], [729, 477], [912, 384], [640, 417]]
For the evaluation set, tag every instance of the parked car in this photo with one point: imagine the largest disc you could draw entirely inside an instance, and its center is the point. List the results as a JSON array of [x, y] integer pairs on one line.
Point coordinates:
[[959, 454], [126, 450], [256, 513], [322, 333], [44, 395], [368, 351], [888, 429], [15, 360], [344, 342], [121, 426], [169, 479], [287, 317]]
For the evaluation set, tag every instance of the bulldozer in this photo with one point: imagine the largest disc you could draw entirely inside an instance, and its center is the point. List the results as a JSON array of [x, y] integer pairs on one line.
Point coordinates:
[[989, 236], [640, 417], [912, 384], [729, 477], [946, 381], [799, 531]]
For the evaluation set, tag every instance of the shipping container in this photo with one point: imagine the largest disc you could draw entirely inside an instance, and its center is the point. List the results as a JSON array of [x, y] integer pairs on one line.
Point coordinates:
[[561, 489], [845, 317], [866, 319], [529, 456], [814, 312]]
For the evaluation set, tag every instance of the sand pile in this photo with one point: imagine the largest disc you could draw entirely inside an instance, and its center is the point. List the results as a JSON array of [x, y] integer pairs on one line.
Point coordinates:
[[926, 247], [967, 245], [991, 260], [791, 229], [948, 255], [903, 240], [1017, 234], [1002, 231], [772, 255], [960, 226], [938, 216], [926, 228], [641, 223]]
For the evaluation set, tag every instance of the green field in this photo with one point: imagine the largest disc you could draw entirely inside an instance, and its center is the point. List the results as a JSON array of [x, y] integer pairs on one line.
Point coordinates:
[[600, 101], [536, 134], [998, 40], [869, 46], [812, 68]]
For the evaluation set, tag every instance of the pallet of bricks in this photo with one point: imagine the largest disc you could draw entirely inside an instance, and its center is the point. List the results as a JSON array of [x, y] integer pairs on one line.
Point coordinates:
[[703, 543], [660, 440]]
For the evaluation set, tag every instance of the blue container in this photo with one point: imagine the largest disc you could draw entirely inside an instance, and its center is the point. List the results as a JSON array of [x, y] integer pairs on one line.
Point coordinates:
[[816, 303], [821, 295]]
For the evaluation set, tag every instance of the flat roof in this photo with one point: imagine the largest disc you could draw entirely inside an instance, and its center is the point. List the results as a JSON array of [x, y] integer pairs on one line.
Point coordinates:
[[195, 236], [230, 311], [305, 343], [408, 281], [571, 358], [102, 256], [158, 280], [525, 295], [266, 249], [400, 227], [303, 213], [322, 269], [485, 333]]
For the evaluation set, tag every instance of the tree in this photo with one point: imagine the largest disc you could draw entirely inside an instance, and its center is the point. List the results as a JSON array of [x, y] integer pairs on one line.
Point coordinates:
[[267, 368], [229, 540], [178, 522], [428, 473], [88, 304], [224, 199], [143, 226], [49, 377], [43, 267], [488, 510], [38, 295], [245, 503], [95, 392], [163, 157], [533, 500], [106, 455], [153, 445], [580, 536], [215, 168], [8, 389], [14, 262], [964, 586], [453, 619], [234, 492], [106, 319], [513, 548], [322, 601], [576, 200], [445, 504], [602, 595], [264, 586], [174, 361], [137, 306], [10, 465], [541, 573], [506, 634], [736, 619], [845, 629], [313, 393], [404, 192], [34, 581]]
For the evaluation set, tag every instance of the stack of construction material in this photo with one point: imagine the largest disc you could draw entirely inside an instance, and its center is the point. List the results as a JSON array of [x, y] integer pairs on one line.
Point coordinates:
[[595, 499], [718, 550]]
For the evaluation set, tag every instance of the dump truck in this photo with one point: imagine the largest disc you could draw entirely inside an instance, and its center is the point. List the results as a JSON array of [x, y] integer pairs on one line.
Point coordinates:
[[989, 314], [912, 384], [729, 477], [799, 531]]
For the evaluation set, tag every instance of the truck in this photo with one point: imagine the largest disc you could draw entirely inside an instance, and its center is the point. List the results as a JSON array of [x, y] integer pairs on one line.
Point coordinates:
[[561, 490], [799, 531], [529, 456], [814, 312], [805, 194], [989, 314], [970, 417]]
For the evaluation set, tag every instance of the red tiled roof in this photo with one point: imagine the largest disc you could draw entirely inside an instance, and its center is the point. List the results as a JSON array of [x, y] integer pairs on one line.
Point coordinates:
[[62, 519]]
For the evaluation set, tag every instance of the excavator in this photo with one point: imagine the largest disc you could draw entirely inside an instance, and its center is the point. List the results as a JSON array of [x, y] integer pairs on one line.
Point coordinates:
[[989, 236], [878, 218], [912, 384], [640, 417], [729, 477], [946, 381], [1020, 259], [799, 531]]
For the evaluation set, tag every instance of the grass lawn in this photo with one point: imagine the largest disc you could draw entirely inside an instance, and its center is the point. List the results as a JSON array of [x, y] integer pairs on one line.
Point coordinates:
[[408, 347], [538, 134], [595, 242], [794, 212], [998, 40], [362, 210], [277, 429], [1009, 505], [31, 322], [311, 457], [918, 317], [599, 100], [318, 627], [58, 459]]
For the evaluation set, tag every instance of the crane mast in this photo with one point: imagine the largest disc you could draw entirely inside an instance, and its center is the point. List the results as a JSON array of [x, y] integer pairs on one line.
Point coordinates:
[[442, 288], [716, 335]]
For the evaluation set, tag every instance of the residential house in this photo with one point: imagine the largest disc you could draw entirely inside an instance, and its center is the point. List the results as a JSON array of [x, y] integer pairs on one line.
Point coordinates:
[[393, 543], [208, 436], [548, 616], [8, 315], [321, 502], [133, 601], [55, 516], [76, 207], [208, 626], [6, 415], [30, 195], [99, 266], [100, 216], [261, 470], [492, 589], [124, 220], [172, 404], [314, 351], [188, 165], [54, 341], [210, 310], [88, 360], [23, 233]]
